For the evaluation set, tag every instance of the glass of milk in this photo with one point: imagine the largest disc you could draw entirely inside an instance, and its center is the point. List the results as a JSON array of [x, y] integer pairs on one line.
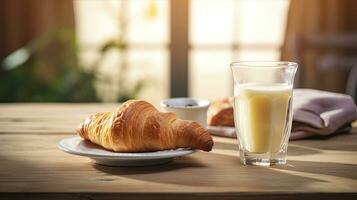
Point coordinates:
[[263, 110]]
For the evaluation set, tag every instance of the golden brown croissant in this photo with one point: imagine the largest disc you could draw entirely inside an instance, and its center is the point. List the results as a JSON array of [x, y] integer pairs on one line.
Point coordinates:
[[220, 113], [137, 126]]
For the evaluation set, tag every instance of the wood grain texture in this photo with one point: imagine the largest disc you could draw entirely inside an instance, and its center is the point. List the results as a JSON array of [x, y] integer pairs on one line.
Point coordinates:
[[46, 118], [32, 167]]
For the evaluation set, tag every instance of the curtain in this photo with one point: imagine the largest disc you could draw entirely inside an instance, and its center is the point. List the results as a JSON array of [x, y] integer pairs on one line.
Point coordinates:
[[22, 21], [317, 17], [38, 53]]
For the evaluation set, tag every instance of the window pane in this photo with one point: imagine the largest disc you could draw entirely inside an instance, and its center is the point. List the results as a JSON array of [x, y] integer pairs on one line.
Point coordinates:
[[261, 21], [210, 75], [148, 21], [143, 22], [248, 55], [211, 21], [146, 67], [96, 20], [151, 67], [108, 69]]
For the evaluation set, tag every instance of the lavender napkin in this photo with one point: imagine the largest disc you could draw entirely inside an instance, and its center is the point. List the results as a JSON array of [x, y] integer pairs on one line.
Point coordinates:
[[315, 112], [318, 112]]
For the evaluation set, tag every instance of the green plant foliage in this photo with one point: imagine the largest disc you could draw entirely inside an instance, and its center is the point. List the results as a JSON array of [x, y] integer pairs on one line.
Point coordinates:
[[47, 70]]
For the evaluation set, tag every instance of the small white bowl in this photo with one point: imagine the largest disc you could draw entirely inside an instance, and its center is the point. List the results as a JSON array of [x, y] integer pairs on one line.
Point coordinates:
[[187, 108]]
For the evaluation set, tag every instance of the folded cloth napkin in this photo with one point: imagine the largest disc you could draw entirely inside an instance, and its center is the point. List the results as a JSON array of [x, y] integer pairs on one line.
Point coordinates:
[[318, 112], [315, 112]]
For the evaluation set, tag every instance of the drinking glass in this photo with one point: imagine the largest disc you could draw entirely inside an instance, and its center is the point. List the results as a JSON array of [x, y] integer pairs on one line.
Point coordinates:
[[263, 110]]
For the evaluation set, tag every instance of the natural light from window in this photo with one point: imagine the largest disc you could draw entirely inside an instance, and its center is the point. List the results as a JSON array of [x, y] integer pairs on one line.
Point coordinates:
[[219, 32]]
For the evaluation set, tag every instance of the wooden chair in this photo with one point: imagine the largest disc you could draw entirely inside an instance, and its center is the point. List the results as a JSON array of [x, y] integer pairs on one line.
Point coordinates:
[[328, 59]]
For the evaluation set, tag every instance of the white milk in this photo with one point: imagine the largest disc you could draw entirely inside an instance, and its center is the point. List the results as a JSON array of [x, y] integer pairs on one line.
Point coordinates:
[[261, 114]]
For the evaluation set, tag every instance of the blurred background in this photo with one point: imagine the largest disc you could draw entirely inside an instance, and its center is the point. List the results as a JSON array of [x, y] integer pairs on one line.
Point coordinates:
[[114, 50]]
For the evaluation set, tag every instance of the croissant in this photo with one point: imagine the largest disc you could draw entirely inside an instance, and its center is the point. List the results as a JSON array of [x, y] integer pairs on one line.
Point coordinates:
[[137, 126], [220, 113]]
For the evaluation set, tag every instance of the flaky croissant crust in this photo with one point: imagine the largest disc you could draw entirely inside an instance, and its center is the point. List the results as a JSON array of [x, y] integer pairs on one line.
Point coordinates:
[[220, 113], [137, 126]]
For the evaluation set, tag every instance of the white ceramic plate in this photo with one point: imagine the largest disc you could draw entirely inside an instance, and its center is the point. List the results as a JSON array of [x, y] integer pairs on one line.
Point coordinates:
[[77, 146]]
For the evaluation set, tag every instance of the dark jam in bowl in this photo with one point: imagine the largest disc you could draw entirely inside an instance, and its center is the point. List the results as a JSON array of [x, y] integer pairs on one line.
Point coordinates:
[[184, 103], [191, 105]]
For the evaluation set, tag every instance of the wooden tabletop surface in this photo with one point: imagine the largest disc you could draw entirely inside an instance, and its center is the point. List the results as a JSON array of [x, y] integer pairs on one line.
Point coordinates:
[[32, 167]]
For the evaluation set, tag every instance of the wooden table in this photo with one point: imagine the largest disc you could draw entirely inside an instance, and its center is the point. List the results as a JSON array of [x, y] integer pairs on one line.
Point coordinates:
[[32, 167]]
